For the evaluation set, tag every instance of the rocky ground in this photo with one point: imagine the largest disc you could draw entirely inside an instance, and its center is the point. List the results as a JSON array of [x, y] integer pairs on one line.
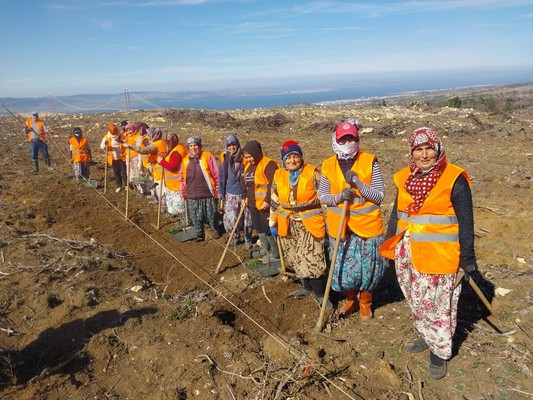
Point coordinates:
[[96, 305]]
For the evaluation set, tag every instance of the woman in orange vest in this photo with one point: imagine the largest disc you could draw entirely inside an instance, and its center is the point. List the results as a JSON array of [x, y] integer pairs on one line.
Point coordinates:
[[80, 154], [298, 218], [133, 168], [199, 183], [156, 147], [231, 191], [258, 176], [113, 144], [171, 163], [432, 235], [354, 176]]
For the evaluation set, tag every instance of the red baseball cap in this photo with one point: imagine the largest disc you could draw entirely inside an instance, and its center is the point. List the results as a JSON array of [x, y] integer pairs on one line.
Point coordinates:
[[346, 129]]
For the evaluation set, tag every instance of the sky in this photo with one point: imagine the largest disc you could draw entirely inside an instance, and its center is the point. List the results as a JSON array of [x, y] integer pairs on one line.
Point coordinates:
[[68, 47]]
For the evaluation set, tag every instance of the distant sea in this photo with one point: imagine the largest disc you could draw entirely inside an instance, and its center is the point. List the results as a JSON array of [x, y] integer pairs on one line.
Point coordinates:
[[340, 91]]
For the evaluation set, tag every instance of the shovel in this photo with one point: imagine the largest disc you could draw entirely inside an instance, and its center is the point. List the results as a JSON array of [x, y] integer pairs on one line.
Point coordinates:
[[187, 232]]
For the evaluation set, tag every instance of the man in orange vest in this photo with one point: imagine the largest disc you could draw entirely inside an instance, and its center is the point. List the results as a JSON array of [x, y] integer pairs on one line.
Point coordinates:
[[36, 131]]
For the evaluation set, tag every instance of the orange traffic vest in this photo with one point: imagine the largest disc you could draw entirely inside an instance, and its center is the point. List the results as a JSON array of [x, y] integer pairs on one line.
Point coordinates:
[[433, 230], [157, 169], [204, 157], [307, 207], [122, 149], [80, 150], [132, 139], [363, 217], [172, 181], [40, 131], [260, 181]]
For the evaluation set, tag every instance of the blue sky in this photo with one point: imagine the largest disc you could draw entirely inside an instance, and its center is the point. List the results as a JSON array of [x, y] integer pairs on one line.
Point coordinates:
[[103, 46]]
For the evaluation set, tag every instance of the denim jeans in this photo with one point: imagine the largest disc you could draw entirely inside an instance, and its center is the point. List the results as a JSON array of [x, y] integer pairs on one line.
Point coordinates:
[[35, 146]]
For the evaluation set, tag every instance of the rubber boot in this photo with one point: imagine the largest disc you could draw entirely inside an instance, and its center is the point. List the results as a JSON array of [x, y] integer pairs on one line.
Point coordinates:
[[35, 169], [274, 251], [304, 291], [265, 247], [48, 163], [351, 305], [365, 306], [319, 289]]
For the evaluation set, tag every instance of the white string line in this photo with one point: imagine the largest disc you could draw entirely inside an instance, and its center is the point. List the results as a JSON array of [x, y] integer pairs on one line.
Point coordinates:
[[101, 107], [292, 351]]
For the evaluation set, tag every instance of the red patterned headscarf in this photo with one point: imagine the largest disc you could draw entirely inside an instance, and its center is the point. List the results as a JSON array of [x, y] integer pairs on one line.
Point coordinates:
[[420, 182]]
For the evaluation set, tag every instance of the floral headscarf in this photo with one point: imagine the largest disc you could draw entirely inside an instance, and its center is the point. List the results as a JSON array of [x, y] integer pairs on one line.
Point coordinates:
[[420, 182]]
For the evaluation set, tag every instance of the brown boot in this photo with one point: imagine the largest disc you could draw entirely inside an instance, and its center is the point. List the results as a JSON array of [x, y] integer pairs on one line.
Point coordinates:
[[351, 305], [365, 306]]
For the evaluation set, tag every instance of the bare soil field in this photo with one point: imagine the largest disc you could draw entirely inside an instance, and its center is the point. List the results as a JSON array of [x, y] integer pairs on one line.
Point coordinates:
[[94, 305]]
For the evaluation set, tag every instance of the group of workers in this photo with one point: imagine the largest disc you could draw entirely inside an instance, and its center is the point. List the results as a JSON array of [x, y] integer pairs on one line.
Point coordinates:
[[430, 234]]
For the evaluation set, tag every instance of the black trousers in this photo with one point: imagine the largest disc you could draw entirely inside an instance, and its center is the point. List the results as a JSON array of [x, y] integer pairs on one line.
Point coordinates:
[[119, 169]]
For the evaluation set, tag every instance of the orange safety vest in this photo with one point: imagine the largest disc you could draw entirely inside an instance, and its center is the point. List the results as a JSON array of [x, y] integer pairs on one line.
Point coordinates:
[[157, 169], [312, 214], [109, 148], [260, 181], [142, 141], [204, 157], [132, 139], [172, 181], [80, 150], [434, 230], [40, 125], [363, 217]]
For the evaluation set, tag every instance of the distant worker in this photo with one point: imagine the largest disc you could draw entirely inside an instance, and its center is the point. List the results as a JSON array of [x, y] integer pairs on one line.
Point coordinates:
[[80, 154], [113, 144], [36, 131], [231, 191]]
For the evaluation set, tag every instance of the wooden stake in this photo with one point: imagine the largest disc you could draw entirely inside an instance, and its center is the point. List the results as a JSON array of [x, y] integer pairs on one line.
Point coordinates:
[[229, 239], [161, 182], [105, 167], [281, 261], [128, 160], [320, 323]]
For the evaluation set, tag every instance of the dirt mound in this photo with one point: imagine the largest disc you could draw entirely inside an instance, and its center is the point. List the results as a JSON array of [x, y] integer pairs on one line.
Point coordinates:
[[97, 305]]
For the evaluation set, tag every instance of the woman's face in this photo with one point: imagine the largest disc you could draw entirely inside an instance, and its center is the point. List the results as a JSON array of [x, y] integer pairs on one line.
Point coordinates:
[[248, 157], [194, 149], [424, 156], [293, 162], [232, 148]]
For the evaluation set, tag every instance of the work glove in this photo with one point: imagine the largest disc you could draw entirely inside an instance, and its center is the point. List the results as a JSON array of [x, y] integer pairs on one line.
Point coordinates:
[[352, 178], [274, 231], [347, 194]]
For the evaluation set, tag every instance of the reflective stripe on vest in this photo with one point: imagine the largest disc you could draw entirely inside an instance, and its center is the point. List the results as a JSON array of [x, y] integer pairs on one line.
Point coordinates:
[[363, 217]]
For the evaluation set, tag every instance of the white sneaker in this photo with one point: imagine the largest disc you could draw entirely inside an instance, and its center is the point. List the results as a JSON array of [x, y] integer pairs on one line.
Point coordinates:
[[118, 189]]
